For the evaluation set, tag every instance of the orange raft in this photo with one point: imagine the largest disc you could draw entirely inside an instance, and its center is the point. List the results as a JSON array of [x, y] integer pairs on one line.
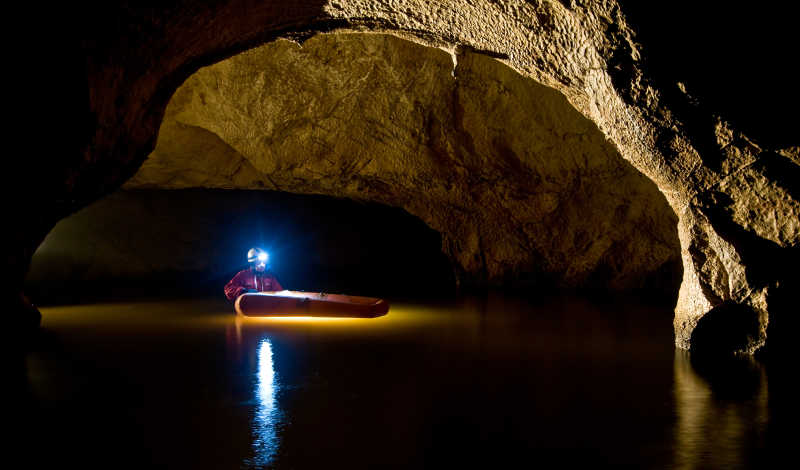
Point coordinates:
[[309, 304]]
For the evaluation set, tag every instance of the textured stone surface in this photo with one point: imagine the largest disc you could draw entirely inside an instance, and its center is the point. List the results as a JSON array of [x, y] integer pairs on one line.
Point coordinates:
[[521, 186], [736, 247]]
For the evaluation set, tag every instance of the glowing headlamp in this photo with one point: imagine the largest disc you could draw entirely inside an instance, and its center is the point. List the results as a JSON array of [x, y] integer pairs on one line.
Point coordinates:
[[262, 257]]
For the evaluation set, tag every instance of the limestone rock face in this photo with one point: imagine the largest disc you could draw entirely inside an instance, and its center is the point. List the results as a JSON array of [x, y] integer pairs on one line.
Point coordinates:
[[521, 186], [737, 201]]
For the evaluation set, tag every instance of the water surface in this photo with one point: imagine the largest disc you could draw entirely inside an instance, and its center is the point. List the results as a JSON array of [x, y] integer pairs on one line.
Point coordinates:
[[495, 381]]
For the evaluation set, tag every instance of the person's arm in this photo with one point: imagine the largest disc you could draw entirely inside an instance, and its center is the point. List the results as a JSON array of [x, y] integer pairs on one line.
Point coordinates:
[[275, 284], [234, 288]]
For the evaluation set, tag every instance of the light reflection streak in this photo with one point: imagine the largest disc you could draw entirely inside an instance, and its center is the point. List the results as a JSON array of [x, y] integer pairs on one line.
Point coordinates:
[[399, 317], [718, 429], [292, 319], [267, 415]]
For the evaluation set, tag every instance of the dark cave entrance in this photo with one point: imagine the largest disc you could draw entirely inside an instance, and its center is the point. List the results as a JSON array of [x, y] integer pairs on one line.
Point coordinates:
[[174, 243]]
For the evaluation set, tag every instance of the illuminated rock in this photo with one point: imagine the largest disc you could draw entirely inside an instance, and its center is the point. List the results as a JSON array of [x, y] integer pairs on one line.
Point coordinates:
[[520, 185], [737, 202]]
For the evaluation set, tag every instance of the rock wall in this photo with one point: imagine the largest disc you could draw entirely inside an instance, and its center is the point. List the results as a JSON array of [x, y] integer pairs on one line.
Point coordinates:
[[522, 187], [737, 202]]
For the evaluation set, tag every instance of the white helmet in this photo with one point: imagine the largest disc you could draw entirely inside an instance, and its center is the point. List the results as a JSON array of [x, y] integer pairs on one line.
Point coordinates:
[[257, 255]]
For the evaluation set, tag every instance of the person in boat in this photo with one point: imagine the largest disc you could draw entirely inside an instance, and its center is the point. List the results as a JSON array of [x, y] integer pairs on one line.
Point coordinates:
[[257, 278]]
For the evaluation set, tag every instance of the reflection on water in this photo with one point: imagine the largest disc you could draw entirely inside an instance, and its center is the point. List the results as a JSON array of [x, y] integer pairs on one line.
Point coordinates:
[[494, 382], [722, 415], [267, 415]]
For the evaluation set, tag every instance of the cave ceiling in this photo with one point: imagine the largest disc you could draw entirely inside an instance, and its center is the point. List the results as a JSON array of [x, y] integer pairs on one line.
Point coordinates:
[[519, 183]]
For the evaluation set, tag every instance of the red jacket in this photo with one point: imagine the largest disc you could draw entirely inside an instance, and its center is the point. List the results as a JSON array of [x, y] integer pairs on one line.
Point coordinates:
[[251, 279]]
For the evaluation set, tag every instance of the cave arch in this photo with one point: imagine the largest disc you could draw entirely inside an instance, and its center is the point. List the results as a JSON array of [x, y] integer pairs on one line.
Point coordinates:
[[587, 51], [523, 188]]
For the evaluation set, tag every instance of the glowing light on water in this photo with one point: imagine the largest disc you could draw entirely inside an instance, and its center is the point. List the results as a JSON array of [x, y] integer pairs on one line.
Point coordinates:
[[267, 415], [292, 319]]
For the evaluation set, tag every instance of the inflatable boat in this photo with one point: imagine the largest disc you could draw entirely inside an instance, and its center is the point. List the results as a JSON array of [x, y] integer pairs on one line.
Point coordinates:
[[309, 304]]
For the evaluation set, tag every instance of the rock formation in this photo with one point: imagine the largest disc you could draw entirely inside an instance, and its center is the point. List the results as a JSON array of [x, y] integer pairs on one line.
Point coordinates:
[[521, 186], [736, 201]]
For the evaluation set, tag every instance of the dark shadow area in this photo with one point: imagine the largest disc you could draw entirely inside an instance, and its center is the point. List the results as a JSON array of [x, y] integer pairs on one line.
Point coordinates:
[[172, 243], [658, 287], [783, 323], [732, 378], [727, 328], [734, 57]]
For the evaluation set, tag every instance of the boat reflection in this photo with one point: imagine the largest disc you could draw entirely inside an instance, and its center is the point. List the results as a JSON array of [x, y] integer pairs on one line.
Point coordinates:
[[267, 415]]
